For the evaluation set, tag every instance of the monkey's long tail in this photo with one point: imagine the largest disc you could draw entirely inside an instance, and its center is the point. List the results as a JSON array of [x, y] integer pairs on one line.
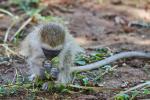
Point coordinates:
[[111, 59]]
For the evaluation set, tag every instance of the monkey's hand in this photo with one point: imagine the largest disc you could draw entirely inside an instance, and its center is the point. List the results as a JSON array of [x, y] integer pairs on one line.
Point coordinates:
[[54, 74], [52, 70], [33, 77]]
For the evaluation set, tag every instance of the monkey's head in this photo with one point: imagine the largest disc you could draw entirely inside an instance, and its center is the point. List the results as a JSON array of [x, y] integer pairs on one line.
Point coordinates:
[[52, 34]]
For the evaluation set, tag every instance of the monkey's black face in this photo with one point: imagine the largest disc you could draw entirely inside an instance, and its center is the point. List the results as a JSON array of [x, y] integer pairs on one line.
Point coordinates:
[[50, 54]]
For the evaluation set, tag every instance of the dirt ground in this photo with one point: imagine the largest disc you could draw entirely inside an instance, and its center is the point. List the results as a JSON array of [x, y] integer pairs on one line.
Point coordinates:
[[96, 25]]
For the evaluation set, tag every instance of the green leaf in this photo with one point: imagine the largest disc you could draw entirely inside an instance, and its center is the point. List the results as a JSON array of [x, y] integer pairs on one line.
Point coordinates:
[[80, 76], [146, 91], [60, 87], [85, 81], [122, 97], [65, 90], [35, 1], [102, 50], [50, 85], [33, 12], [80, 62], [2, 90]]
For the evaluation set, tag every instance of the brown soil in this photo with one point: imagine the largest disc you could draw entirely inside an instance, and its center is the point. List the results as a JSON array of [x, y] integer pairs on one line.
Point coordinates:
[[97, 25]]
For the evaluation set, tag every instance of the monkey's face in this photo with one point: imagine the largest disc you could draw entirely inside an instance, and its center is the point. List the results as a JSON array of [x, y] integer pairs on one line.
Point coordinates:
[[52, 34], [52, 38]]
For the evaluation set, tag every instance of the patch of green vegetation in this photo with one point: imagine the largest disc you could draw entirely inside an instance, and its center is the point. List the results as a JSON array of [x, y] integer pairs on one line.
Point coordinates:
[[133, 95], [34, 87], [98, 55], [41, 18], [122, 97], [80, 80], [89, 78], [29, 6]]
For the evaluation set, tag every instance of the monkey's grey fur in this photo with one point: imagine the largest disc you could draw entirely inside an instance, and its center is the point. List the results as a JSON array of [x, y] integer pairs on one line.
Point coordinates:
[[50, 36]]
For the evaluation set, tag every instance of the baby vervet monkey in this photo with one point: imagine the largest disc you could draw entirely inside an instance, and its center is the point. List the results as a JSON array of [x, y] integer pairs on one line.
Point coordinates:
[[55, 39]]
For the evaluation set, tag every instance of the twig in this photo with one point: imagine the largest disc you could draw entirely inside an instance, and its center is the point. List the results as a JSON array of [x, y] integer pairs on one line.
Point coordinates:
[[106, 71], [6, 47], [4, 62], [7, 53], [63, 9], [22, 26], [11, 51], [133, 88], [12, 24], [8, 70], [16, 72], [8, 30], [7, 12], [73, 79], [96, 89], [21, 74]]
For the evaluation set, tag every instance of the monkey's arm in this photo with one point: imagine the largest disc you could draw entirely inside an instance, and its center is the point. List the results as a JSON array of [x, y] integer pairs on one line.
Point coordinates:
[[66, 61], [24, 49], [31, 49], [111, 59]]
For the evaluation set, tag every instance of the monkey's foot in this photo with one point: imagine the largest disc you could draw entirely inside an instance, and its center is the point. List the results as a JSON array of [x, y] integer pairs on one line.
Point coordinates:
[[32, 77], [64, 78]]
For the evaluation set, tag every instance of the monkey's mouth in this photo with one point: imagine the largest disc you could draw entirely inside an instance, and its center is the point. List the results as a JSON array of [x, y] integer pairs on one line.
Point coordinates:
[[50, 54]]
